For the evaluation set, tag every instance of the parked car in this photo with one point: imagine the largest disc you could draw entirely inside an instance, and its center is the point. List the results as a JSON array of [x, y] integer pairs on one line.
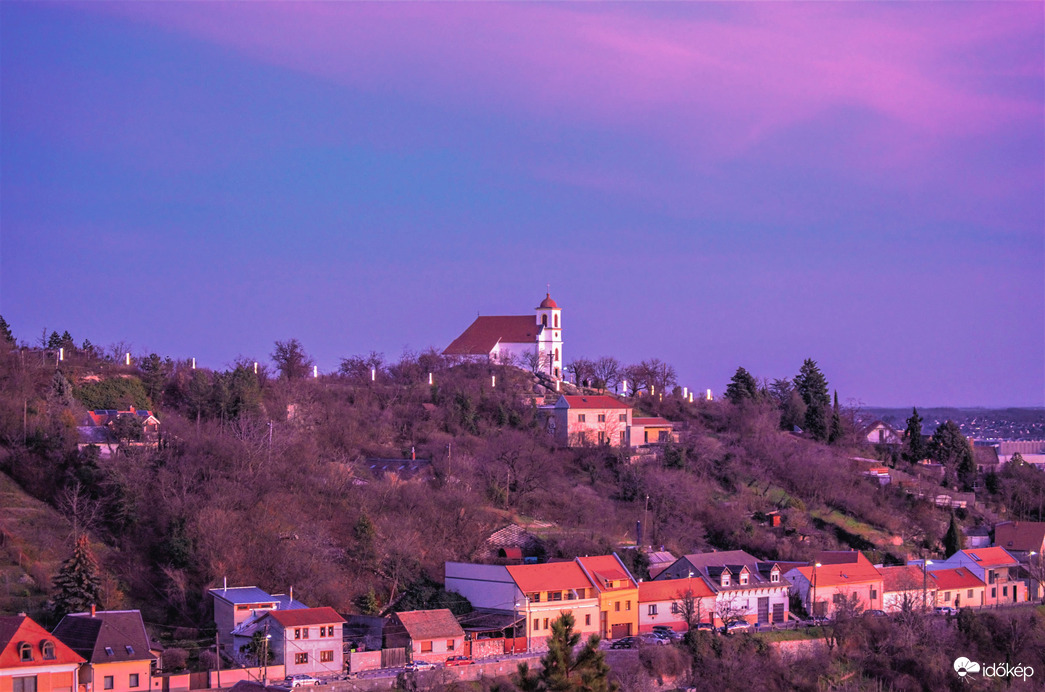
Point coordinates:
[[666, 632], [419, 665], [874, 613], [625, 643], [944, 610], [741, 626], [300, 680], [459, 661], [653, 639], [707, 626]]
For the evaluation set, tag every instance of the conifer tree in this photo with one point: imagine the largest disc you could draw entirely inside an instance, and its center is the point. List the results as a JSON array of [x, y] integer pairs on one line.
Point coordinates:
[[564, 672], [913, 441], [742, 387], [5, 332], [836, 423], [77, 586], [953, 541], [811, 384]]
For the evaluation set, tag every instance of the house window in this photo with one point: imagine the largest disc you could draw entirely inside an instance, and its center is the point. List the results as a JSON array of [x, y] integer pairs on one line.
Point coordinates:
[[301, 659], [623, 418], [1004, 591], [130, 649], [535, 597], [602, 417], [536, 624], [25, 652], [545, 623], [874, 593], [297, 633], [675, 609], [652, 609], [969, 595], [627, 605], [25, 684], [774, 577], [743, 580], [946, 596], [994, 592], [242, 607], [109, 651], [304, 633], [132, 680], [107, 682], [48, 650], [555, 595], [587, 620], [326, 656], [616, 606], [449, 644], [580, 417], [725, 579]]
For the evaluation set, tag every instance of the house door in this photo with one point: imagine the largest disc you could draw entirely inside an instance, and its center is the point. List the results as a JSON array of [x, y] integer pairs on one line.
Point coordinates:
[[763, 609], [778, 612]]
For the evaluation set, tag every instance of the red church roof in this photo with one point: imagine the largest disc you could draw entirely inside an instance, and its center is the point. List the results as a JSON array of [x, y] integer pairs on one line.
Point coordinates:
[[481, 337], [548, 303], [593, 401]]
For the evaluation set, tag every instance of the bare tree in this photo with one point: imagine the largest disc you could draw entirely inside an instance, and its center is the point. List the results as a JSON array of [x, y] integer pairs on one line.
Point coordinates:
[[690, 607], [730, 610], [291, 360], [536, 361], [582, 370], [84, 512], [606, 371]]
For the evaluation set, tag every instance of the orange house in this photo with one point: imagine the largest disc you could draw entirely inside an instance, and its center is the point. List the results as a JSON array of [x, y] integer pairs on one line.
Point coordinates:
[[618, 595], [837, 577], [665, 603], [116, 647], [34, 660], [550, 590]]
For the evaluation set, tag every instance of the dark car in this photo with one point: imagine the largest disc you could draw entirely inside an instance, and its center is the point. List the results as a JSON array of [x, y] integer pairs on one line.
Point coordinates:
[[666, 632], [625, 643], [459, 661], [874, 613]]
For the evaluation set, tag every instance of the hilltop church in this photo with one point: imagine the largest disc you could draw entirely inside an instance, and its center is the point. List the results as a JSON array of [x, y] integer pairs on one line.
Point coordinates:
[[516, 339]]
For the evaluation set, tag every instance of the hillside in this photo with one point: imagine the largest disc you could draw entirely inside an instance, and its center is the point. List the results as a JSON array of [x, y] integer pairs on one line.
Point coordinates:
[[276, 480]]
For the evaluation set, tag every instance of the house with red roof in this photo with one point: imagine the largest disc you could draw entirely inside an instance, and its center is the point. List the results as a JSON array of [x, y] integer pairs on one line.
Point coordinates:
[[537, 594], [304, 640], [1020, 538], [618, 595], [34, 660], [906, 588], [745, 587], [835, 579], [429, 635], [995, 567], [958, 588], [116, 647], [667, 602], [598, 419], [515, 339]]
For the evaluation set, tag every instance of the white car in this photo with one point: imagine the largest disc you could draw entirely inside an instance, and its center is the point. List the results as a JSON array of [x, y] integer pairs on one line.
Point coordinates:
[[300, 680]]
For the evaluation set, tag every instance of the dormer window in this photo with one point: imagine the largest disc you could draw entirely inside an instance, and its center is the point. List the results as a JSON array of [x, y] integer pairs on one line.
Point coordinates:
[[743, 578], [47, 649], [725, 579], [130, 649], [774, 576], [25, 652]]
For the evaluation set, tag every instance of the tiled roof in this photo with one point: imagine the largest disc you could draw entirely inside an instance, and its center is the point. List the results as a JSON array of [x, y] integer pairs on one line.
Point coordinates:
[[673, 589], [108, 636], [991, 557], [843, 573], [958, 578], [15, 629], [592, 401], [606, 568], [840, 557], [485, 332], [902, 578], [304, 617], [1024, 536], [551, 576], [430, 624]]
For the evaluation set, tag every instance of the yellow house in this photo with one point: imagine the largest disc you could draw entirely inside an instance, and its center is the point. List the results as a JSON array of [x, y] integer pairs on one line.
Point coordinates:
[[618, 595], [116, 647], [551, 589]]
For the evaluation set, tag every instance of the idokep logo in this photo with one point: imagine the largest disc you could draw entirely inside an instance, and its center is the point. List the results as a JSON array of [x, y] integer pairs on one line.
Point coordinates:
[[964, 667]]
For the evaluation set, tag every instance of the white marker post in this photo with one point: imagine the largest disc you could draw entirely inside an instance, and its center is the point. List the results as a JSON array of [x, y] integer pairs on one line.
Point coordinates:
[[315, 372], [493, 380], [193, 363], [709, 395], [255, 367], [128, 359], [430, 381], [373, 374], [61, 353]]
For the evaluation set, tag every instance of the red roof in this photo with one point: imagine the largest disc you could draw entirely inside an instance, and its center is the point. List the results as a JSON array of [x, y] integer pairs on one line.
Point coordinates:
[[303, 617], [593, 401], [548, 302], [481, 337], [672, 589], [15, 629], [959, 578], [843, 573], [902, 577], [1020, 535], [606, 568], [430, 624], [991, 557], [551, 576]]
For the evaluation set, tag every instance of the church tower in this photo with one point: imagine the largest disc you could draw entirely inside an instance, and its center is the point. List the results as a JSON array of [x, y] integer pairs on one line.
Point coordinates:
[[549, 336]]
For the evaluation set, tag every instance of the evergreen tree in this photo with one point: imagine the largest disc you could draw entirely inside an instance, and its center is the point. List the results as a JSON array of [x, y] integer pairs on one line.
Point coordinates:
[[77, 586], [61, 395], [742, 387], [953, 540], [5, 332], [54, 341], [811, 385], [914, 444], [564, 672], [836, 423]]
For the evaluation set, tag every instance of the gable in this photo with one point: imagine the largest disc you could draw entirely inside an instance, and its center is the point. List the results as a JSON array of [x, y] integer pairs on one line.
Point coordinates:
[[14, 630]]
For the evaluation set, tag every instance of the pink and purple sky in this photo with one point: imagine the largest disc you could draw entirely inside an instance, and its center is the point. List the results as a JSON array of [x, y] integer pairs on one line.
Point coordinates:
[[715, 185]]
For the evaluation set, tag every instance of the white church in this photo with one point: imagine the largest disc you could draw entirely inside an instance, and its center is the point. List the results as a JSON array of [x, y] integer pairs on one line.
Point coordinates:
[[516, 339]]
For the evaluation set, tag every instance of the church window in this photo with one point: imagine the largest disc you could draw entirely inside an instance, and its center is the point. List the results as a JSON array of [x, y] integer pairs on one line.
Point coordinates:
[[544, 320], [556, 321]]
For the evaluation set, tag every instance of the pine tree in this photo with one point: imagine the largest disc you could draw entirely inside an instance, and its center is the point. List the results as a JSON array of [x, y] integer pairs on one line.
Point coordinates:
[[5, 332], [564, 672], [913, 441], [811, 384], [836, 423], [77, 586], [742, 387], [953, 540]]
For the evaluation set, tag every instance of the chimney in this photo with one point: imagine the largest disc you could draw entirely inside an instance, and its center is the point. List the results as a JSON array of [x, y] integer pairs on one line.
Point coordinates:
[[292, 594], [92, 610]]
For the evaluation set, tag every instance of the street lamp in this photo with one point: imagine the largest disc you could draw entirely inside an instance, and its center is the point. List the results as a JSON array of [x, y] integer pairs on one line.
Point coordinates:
[[925, 583]]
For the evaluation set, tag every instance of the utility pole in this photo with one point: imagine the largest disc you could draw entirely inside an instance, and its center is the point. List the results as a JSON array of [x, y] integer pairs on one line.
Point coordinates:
[[217, 650], [265, 658]]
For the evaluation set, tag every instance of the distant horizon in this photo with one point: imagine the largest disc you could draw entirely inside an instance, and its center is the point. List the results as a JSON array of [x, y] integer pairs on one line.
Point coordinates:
[[712, 184]]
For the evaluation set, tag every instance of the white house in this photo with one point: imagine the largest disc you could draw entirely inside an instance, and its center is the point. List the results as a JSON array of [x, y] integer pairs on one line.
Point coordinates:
[[516, 339]]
